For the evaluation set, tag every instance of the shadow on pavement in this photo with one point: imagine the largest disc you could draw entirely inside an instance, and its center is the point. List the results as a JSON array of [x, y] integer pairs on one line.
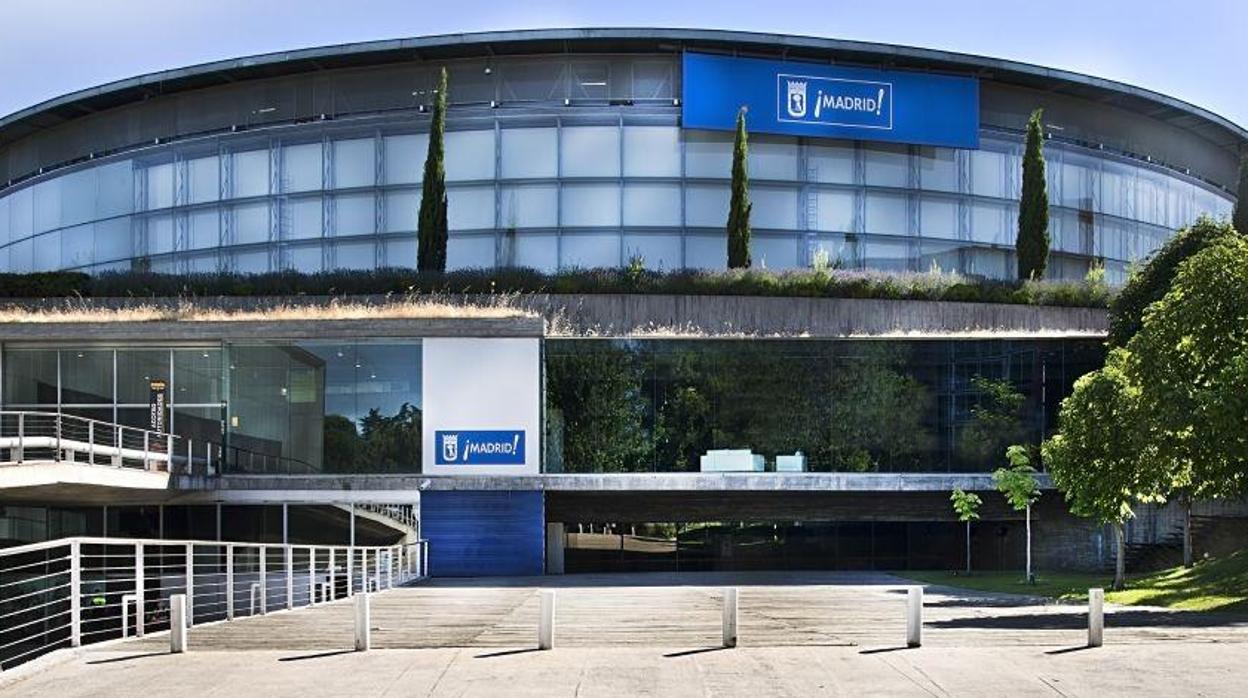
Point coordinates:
[[127, 658], [1079, 621], [1068, 650], [504, 653], [677, 579], [318, 655], [882, 650], [686, 653]]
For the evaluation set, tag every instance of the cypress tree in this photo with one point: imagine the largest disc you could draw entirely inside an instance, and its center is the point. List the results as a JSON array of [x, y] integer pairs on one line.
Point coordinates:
[[739, 207], [431, 228], [1032, 244], [1240, 217]]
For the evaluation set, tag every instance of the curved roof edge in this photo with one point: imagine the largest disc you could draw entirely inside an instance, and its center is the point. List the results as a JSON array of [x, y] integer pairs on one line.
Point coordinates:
[[452, 45]]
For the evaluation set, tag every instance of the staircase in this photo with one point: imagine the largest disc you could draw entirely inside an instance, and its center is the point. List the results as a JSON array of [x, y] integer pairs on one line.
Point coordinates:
[[1211, 535]]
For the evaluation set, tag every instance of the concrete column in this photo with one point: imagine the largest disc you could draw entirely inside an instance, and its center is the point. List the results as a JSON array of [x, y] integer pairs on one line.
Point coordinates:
[[914, 617], [730, 617], [363, 632], [554, 548], [1096, 617], [546, 621], [177, 623]]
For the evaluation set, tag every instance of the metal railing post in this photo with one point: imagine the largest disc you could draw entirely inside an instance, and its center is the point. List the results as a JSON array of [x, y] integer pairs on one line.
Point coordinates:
[[311, 576], [333, 591], [117, 448], [264, 586], [229, 582], [147, 458], [75, 594], [424, 559], [390, 569], [290, 576], [377, 569], [126, 601], [190, 584], [21, 437], [58, 456], [91, 441], [350, 571], [139, 581]]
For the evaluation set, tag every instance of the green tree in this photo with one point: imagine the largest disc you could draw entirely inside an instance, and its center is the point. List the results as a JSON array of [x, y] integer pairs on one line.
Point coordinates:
[[431, 229], [1097, 458], [1032, 244], [966, 506], [598, 392], [1240, 218], [1190, 361], [740, 206], [1018, 484], [391, 443], [1151, 280]]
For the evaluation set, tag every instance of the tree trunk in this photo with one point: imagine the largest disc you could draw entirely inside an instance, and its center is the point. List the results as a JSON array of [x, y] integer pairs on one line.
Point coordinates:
[[1187, 531], [1120, 561], [968, 547], [1030, 579]]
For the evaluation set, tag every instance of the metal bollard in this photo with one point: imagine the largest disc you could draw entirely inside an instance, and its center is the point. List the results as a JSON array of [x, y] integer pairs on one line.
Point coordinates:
[[730, 617], [1096, 617], [177, 623], [126, 601], [546, 622], [914, 617], [363, 630]]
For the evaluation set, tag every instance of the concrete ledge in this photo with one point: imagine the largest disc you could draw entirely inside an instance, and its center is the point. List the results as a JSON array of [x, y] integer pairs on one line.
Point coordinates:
[[399, 488], [79, 483], [273, 329]]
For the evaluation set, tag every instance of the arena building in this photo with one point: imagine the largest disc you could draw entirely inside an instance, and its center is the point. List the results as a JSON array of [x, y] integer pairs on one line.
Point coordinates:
[[589, 148], [833, 444]]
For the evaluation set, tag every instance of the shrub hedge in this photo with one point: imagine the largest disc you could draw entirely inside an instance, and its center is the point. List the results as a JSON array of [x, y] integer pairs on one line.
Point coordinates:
[[817, 283]]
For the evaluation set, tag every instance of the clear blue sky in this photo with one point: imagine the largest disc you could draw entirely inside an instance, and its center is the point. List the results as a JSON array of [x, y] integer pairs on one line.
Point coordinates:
[[1192, 49]]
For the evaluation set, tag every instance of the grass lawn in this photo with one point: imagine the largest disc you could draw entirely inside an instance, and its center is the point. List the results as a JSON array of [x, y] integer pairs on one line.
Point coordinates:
[[1219, 584]]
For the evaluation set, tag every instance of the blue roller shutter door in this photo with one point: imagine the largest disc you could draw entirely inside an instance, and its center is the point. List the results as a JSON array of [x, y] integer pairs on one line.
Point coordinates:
[[483, 534]]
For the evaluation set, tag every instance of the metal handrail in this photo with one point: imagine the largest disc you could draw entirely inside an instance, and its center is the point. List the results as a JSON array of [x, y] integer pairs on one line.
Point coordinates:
[[27, 436], [119, 585]]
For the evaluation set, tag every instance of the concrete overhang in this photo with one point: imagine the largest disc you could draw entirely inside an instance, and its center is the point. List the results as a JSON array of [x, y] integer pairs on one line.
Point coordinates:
[[400, 488], [80, 484]]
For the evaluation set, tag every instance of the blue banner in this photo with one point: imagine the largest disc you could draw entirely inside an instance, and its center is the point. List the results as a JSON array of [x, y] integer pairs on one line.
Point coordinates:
[[479, 447], [805, 99]]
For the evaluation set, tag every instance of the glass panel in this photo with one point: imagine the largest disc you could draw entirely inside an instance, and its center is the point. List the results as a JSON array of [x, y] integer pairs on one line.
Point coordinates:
[[835, 210], [401, 252], [470, 208], [938, 218], [354, 255], [78, 197], [661, 252], [831, 163], [46, 252], [203, 180], [708, 154], [159, 186], [47, 205], [354, 163], [651, 151], [87, 377], [988, 173], [205, 229], [774, 252], [251, 262], [77, 246], [405, 158], [530, 206], [302, 165], [529, 152], [773, 208], [304, 258], [160, 234], [115, 193], [651, 204], [773, 157], [470, 155], [938, 169], [886, 253], [591, 251], [354, 214], [591, 205], [29, 377], [887, 165], [706, 251], [251, 173], [402, 211], [989, 223], [706, 205], [539, 252], [303, 218], [113, 239], [886, 214], [136, 369], [470, 252], [197, 375], [251, 223], [590, 151]]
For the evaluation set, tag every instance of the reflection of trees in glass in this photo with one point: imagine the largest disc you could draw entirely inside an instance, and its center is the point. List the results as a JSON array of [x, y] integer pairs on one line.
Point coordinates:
[[997, 420], [598, 390], [381, 443], [879, 416]]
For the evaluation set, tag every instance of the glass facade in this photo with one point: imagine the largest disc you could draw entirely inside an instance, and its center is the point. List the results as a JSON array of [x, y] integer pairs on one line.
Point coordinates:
[[837, 405], [277, 407], [570, 171]]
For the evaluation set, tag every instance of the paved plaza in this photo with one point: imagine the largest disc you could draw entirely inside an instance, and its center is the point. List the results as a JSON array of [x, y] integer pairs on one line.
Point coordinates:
[[800, 634]]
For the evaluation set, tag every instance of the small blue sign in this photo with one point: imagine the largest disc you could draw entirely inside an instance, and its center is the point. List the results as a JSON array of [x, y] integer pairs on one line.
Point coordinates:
[[479, 447], [803, 99]]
